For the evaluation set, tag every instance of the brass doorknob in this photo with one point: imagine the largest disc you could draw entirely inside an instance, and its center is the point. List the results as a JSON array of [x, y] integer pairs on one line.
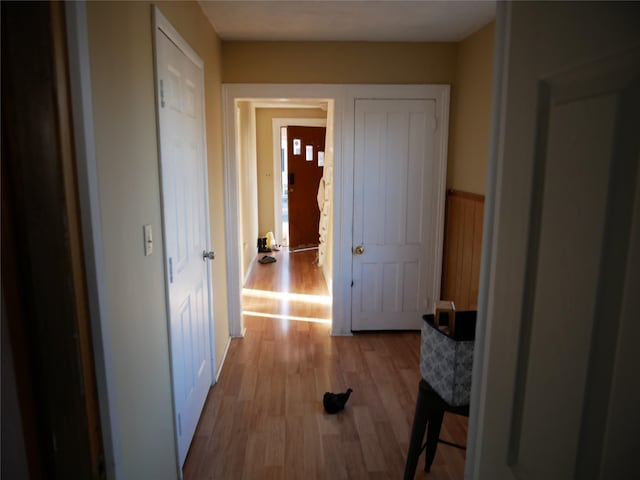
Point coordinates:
[[359, 250]]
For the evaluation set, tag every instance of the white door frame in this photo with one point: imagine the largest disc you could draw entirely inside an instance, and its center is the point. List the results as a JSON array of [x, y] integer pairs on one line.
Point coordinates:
[[278, 123], [480, 352], [344, 97], [162, 26], [81, 99]]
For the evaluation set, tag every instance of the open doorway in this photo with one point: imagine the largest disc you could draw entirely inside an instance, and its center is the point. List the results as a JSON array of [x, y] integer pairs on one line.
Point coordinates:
[[267, 178]]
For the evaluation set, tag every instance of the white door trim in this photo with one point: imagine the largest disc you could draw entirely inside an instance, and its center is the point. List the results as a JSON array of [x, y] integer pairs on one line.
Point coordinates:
[[481, 350], [277, 124], [82, 106], [344, 97], [161, 23]]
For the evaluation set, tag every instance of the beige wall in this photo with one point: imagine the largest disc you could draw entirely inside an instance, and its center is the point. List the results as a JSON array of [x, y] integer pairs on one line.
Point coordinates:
[[469, 149], [338, 62], [121, 61], [248, 188], [264, 135], [466, 66]]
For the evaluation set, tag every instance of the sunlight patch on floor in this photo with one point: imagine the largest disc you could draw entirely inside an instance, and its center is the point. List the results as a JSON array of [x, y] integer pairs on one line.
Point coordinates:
[[287, 317], [286, 296]]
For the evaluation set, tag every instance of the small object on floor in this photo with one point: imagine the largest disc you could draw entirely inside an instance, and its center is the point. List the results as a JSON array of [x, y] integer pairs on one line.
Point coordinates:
[[262, 245], [334, 402], [267, 259], [271, 240]]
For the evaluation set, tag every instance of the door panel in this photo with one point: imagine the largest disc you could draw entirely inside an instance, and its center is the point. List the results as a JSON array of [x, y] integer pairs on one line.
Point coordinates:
[[304, 214], [394, 155], [558, 282], [184, 177], [569, 247]]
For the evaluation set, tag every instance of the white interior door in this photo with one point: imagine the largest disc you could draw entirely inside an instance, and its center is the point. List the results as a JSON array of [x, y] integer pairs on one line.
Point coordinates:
[[393, 213], [186, 232], [556, 394]]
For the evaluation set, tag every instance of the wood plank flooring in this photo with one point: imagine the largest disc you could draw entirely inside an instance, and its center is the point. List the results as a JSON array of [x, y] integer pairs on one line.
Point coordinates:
[[264, 418]]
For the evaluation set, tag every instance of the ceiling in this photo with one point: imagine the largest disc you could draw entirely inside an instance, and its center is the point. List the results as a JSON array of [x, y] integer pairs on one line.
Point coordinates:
[[363, 20]]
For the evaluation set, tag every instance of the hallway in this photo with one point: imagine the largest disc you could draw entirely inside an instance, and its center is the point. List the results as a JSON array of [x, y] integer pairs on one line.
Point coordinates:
[[264, 418]]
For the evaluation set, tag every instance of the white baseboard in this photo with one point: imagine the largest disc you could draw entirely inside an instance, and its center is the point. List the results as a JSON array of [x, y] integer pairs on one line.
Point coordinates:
[[224, 357], [327, 279], [341, 334], [249, 271]]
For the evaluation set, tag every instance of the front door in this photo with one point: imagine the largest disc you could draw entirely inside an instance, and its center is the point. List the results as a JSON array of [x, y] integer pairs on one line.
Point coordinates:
[[186, 232], [556, 388], [393, 213], [305, 151]]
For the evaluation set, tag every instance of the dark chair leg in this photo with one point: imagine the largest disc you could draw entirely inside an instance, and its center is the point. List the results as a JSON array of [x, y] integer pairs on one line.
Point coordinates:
[[436, 416], [417, 434]]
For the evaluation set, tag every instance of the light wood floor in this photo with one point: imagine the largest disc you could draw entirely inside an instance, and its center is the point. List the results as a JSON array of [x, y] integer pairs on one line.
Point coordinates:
[[264, 418]]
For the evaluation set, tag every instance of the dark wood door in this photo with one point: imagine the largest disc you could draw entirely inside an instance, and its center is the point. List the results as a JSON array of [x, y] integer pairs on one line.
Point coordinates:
[[305, 172], [55, 429]]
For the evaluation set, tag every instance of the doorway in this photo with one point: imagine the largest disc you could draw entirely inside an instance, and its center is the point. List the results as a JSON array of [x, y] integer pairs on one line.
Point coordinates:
[[265, 191]]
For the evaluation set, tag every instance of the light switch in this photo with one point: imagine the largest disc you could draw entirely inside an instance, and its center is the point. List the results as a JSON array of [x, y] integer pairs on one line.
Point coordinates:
[[148, 240]]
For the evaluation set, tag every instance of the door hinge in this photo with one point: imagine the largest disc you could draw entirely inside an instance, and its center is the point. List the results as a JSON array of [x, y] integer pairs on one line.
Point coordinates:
[[162, 93], [170, 270], [352, 283], [179, 426]]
